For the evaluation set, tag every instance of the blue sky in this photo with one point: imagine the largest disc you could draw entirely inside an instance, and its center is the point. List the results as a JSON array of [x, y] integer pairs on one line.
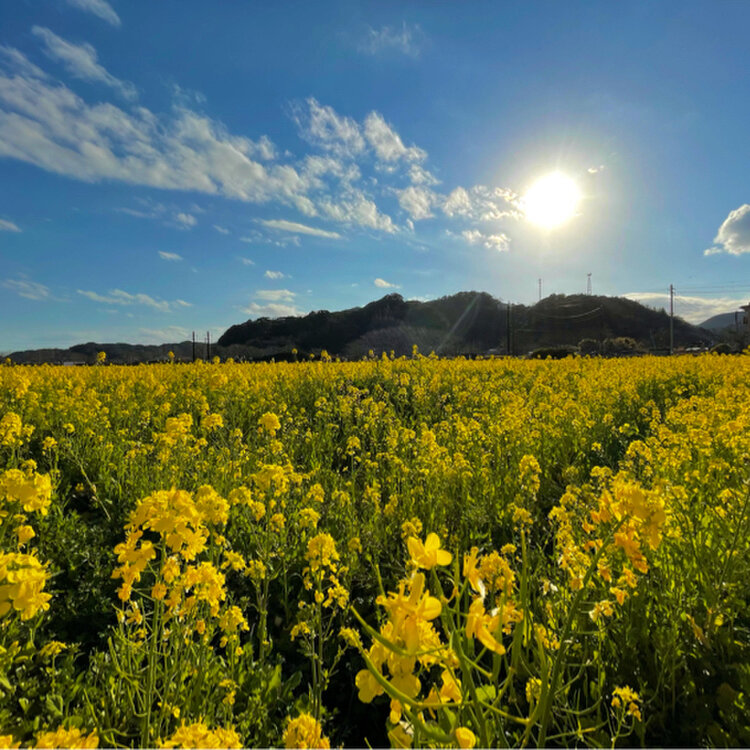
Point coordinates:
[[179, 165]]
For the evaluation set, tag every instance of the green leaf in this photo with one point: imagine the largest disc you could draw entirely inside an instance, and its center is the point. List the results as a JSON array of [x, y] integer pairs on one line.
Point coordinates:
[[487, 693]]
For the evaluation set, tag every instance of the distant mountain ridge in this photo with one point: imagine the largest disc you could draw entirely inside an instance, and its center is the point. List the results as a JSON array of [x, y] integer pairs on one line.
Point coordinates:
[[467, 323], [723, 320]]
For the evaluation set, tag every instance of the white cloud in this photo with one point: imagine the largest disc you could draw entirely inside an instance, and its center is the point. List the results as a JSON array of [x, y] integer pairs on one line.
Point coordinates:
[[99, 8], [322, 126], [48, 125], [594, 170], [246, 261], [169, 256], [420, 176], [221, 230], [271, 310], [387, 142], [119, 297], [186, 220], [43, 122], [275, 275], [383, 284], [499, 242], [458, 202], [693, 309], [417, 201], [293, 226], [733, 236], [8, 226], [27, 289], [356, 208], [138, 214], [80, 60], [405, 40], [275, 295], [482, 203], [21, 64], [167, 335], [316, 167]]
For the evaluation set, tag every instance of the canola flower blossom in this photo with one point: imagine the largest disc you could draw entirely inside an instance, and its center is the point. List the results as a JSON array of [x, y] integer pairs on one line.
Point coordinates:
[[429, 554], [62, 737], [570, 501], [627, 699], [304, 731], [198, 735], [22, 582], [32, 491]]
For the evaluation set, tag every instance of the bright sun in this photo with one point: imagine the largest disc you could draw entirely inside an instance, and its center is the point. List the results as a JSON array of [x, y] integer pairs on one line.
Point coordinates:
[[551, 200]]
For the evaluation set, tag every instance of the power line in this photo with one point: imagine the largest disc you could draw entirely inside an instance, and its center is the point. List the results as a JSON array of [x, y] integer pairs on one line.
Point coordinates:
[[567, 317]]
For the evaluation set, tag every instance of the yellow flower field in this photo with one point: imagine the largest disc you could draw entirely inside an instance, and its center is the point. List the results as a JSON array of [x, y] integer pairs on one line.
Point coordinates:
[[415, 552]]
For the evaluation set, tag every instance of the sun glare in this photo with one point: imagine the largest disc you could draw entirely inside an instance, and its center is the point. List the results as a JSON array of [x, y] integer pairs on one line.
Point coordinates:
[[551, 200]]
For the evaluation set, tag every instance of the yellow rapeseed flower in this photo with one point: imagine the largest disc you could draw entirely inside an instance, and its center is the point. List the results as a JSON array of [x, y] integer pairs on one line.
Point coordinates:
[[429, 554], [67, 738], [465, 738], [269, 422], [198, 735], [304, 732]]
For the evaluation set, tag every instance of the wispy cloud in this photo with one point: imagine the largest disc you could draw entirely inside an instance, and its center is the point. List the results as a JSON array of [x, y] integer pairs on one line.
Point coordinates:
[[186, 220], [387, 143], [167, 335], [271, 310], [481, 203], [119, 297], [322, 126], [169, 256], [356, 208], [293, 226], [733, 236], [274, 303], [417, 201], [8, 226], [275, 295], [383, 284], [275, 275], [99, 8], [48, 125], [406, 40], [246, 261], [80, 60], [27, 289], [21, 64], [43, 122], [420, 176], [499, 242]]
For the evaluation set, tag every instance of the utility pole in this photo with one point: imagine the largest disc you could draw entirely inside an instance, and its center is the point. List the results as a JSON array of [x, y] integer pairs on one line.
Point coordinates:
[[540, 288], [193, 346], [671, 319], [508, 332], [588, 284]]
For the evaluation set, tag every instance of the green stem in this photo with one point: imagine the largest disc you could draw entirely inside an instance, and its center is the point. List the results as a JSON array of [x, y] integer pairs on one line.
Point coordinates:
[[155, 631], [548, 696]]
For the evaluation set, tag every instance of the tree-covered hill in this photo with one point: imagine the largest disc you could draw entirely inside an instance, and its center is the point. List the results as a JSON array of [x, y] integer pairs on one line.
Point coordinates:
[[467, 323]]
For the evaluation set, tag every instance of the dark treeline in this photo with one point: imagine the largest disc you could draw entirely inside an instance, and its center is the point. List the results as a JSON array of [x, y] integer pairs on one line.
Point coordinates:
[[467, 323]]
